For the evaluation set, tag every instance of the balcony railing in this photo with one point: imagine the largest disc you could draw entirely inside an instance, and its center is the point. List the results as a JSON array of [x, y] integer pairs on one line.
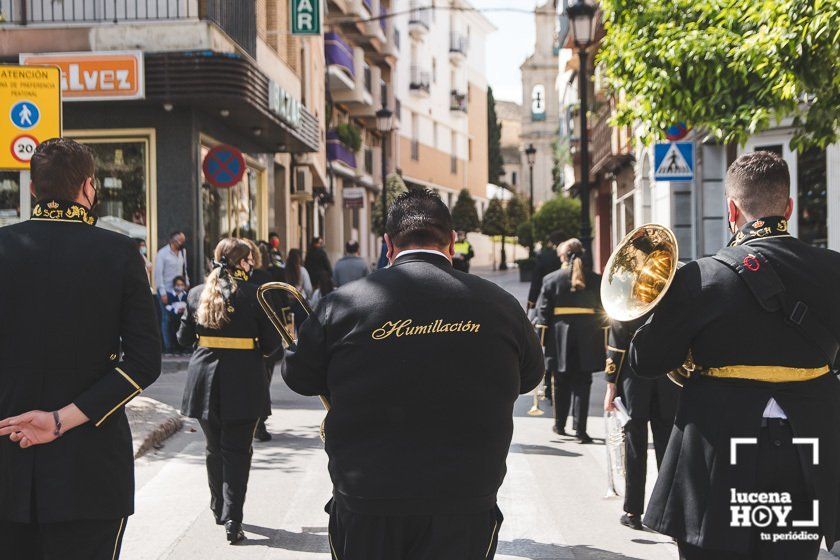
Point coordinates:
[[420, 15], [339, 53], [457, 101], [368, 80], [369, 161], [336, 151], [458, 43], [237, 18], [421, 80]]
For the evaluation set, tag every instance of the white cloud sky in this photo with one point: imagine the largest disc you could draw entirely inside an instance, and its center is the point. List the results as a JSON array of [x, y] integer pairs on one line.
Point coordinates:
[[509, 46]]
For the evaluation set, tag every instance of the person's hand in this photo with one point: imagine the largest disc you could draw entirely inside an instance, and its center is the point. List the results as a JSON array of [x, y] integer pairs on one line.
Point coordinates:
[[609, 406], [37, 427], [164, 299]]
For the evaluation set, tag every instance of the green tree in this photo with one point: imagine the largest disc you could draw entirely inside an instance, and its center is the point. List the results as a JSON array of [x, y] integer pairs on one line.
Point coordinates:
[[495, 223], [464, 213], [516, 213], [394, 186], [560, 158], [495, 163], [560, 214], [729, 69]]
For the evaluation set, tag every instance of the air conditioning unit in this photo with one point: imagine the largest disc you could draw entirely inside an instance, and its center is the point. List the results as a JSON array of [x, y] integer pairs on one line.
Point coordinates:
[[302, 180]]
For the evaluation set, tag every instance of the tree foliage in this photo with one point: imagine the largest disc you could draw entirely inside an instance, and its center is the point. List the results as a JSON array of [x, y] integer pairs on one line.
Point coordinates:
[[560, 214], [516, 212], [495, 220], [394, 186], [560, 158], [728, 68], [464, 213], [495, 163]]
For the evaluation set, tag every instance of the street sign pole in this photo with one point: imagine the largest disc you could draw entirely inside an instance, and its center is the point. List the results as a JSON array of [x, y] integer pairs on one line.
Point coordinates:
[[25, 196]]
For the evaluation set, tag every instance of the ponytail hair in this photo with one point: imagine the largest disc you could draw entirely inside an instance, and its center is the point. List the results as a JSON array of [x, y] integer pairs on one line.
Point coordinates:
[[571, 252], [220, 284]]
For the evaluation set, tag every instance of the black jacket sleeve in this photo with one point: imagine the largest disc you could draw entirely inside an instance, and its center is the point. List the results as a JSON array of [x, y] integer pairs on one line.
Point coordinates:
[[536, 284], [618, 340], [140, 336], [661, 345], [271, 344], [531, 362], [305, 367]]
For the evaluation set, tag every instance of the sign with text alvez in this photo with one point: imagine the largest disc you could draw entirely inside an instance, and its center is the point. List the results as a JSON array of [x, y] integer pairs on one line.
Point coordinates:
[[306, 17]]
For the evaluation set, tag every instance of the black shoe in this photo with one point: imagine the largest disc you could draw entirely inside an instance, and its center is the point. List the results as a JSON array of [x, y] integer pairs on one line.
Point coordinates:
[[262, 434], [584, 438], [632, 521], [218, 520], [558, 430], [234, 532]]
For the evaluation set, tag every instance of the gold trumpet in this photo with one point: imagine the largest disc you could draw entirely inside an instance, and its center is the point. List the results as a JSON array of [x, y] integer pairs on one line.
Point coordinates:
[[286, 327], [637, 277]]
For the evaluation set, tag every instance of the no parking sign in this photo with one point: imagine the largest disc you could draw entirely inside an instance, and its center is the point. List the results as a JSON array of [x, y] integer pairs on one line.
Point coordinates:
[[223, 166]]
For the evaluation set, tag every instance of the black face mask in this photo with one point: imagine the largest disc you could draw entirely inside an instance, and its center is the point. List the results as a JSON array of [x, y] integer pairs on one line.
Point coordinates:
[[95, 200]]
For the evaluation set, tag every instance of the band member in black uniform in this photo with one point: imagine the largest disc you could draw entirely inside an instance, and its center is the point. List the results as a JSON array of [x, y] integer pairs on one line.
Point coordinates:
[[570, 315], [547, 261], [761, 320], [71, 357], [651, 401], [226, 387], [422, 365]]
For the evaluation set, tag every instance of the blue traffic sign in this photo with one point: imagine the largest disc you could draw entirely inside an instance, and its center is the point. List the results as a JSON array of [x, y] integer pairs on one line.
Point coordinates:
[[25, 114], [673, 161]]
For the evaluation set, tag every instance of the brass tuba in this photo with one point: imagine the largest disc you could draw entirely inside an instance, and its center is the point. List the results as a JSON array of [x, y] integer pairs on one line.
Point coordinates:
[[284, 326], [637, 276]]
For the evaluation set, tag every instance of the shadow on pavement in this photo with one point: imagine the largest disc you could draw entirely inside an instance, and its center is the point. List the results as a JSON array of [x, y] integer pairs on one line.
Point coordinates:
[[529, 449], [532, 550], [312, 539]]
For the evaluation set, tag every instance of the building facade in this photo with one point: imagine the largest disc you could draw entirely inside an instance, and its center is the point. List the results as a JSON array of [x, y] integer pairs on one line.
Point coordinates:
[[509, 114], [152, 87]]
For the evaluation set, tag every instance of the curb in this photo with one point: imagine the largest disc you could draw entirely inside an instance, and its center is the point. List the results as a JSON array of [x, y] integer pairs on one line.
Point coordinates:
[[160, 434]]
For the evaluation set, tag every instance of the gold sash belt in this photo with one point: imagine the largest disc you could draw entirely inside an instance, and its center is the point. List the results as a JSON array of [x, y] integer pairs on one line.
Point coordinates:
[[771, 374], [227, 343], [574, 311]]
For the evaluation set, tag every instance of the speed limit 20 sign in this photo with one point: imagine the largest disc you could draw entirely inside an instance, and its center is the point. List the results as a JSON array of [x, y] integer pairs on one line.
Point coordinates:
[[30, 112]]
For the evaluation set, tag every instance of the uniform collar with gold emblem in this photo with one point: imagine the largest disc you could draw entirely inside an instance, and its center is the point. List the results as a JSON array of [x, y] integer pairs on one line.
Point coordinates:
[[51, 210], [774, 226]]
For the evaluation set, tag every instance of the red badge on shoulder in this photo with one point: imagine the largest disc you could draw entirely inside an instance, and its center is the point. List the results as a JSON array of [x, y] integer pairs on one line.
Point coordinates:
[[752, 263]]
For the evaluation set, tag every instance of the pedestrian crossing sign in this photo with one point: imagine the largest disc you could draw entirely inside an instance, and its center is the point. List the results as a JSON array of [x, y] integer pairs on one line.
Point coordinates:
[[673, 161]]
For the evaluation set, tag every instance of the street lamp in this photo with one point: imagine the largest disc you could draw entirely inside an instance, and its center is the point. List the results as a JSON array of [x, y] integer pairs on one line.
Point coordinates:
[[582, 16], [384, 122], [531, 156]]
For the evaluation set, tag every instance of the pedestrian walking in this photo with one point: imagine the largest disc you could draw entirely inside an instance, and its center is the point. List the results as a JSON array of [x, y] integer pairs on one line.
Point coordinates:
[[316, 260], [144, 254], [70, 359], [570, 313], [350, 267], [422, 365], [463, 253], [756, 425], [647, 401], [171, 261], [298, 276], [226, 386]]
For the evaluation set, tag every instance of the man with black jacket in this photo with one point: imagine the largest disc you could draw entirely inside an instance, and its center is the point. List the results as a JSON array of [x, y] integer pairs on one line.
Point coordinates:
[[70, 359], [422, 365], [752, 468]]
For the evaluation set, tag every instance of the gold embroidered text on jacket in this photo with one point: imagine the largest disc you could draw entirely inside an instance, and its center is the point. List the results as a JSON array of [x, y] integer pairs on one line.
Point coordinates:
[[403, 327]]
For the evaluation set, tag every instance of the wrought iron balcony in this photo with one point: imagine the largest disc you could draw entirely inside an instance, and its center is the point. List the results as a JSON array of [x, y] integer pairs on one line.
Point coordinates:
[[421, 80], [457, 101]]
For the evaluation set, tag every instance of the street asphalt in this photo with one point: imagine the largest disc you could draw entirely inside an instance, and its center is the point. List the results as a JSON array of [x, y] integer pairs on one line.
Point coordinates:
[[553, 497]]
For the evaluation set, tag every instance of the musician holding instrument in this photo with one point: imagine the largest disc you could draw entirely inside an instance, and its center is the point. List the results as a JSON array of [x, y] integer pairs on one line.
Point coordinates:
[[422, 365], [570, 314], [647, 401], [756, 430], [226, 386]]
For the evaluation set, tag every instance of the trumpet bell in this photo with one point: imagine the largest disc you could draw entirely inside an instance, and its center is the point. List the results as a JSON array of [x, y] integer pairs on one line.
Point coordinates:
[[639, 272]]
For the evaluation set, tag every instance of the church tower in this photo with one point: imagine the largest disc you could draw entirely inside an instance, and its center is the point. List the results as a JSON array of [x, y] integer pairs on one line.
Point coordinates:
[[540, 103]]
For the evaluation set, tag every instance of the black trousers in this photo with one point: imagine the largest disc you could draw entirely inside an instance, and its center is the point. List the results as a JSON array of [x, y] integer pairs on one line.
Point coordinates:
[[636, 447], [779, 470], [571, 389], [69, 540], [354, 536], [229, 450]]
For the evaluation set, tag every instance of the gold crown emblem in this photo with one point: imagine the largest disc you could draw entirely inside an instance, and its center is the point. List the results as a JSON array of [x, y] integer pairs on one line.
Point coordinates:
[[52, 205]]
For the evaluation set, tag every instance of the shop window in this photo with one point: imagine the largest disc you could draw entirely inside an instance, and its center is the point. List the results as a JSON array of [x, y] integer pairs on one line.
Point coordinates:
[[9, 197], [812, 202]]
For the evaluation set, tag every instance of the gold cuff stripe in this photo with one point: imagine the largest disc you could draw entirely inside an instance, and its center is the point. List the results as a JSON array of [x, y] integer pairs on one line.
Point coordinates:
[[129, 379], [771, 374], [117, 540], [574, 311], [227, 343], [492, 538], [128, 398]]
